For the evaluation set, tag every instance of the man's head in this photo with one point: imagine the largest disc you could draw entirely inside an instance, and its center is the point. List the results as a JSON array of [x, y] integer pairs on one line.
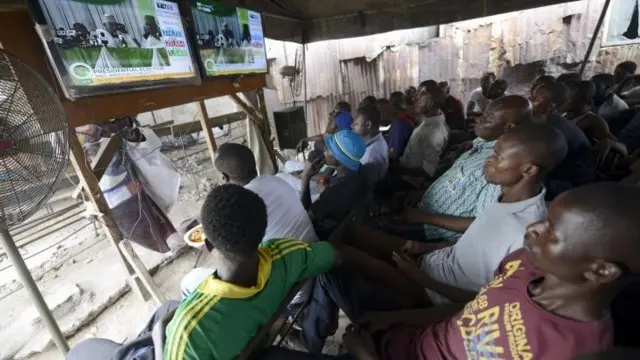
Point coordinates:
[[387, 111], [624, 69], [501, 115], [567, 78], [430, 98], [542, 79], [234, 221], [236, 163], [604, 84], [369, 100], [367, 121], [444, 85], [342, 106], [410, 95], [525, 153], [581, 95], [426, 86], [485, 82], [590, 236], [398, 100], [497, 89], [548, 97], [344, 148]]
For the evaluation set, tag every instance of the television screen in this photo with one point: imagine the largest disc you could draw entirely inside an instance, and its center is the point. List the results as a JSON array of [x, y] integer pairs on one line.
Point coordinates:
[[230, 40], [115, 45]]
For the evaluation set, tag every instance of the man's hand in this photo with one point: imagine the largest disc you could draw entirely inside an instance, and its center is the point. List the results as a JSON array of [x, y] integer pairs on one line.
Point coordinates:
[[312, 168], [407, 265], [599, 153], [359, 344]]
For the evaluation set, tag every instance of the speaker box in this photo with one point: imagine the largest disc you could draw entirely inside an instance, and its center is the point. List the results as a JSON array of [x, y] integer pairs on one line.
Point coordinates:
[[291, 126]]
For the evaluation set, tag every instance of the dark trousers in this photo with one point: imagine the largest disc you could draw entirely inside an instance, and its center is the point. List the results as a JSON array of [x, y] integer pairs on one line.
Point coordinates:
[[339, 289], [140, 348], [401, 228]]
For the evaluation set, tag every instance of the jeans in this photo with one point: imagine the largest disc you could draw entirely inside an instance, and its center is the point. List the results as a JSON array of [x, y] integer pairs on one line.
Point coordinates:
[[140, 348], [343, 289]]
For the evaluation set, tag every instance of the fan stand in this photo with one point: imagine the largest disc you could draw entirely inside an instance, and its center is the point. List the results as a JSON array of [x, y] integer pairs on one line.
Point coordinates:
[[27, 281]]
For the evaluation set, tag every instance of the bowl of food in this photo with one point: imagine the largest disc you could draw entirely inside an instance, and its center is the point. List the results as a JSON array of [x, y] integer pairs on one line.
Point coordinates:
[[195, 237]]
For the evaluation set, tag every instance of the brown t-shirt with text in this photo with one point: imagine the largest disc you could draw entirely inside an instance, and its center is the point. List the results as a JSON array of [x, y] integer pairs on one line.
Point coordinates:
[[501, 323]]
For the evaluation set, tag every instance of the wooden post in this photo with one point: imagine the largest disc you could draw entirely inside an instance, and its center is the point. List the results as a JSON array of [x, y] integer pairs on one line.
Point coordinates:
[[137, 274], [208, 134], [263, 124]]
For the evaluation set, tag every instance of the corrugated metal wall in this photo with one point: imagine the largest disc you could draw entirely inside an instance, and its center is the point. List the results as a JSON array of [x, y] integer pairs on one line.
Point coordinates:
[[515, 45]]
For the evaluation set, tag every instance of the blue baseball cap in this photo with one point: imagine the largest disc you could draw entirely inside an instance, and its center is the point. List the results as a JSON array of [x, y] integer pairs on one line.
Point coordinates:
[[347, 147]]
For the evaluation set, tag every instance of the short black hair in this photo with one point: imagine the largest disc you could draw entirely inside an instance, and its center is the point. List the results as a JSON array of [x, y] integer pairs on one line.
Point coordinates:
[[343, 106], [370, 113], [234, 220], [628, 66], [568, 77], [585, 89], [543, 145], [610, 223], [608, 80], [382, 101], [559, 91], [489, 74], [542, 79], [236, 161], [428, 84], [369, 100], [397, 99]]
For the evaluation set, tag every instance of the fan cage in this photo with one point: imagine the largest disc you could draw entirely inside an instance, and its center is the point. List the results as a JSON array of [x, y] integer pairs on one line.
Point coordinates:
[[35, 136]]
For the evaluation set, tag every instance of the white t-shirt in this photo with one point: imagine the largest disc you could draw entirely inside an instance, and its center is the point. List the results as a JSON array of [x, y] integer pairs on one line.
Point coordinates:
[[377, 155], [498, 231], [617, 105], [480, 101], [287, 218], [426, 144]]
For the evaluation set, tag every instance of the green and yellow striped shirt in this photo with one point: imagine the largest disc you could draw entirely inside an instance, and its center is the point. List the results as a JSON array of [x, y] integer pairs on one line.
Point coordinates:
[[219, 319]]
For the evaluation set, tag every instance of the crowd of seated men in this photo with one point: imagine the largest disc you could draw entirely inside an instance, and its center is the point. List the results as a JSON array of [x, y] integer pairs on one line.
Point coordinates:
[[508, 232]]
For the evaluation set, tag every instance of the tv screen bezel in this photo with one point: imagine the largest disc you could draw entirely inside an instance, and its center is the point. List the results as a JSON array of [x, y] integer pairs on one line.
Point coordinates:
[[196, 46]]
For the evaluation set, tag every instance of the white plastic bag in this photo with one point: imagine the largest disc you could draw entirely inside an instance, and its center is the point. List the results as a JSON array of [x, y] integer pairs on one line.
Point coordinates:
[[160, 179]]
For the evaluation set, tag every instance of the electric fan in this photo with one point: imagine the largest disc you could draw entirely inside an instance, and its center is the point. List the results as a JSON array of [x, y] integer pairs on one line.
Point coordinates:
[[34, 148]]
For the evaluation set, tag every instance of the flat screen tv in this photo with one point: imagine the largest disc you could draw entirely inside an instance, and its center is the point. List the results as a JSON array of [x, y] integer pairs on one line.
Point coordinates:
[[230, 40], [105, 46]]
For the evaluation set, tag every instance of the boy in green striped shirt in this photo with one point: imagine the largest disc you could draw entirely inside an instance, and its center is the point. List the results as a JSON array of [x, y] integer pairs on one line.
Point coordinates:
[[219, 318]]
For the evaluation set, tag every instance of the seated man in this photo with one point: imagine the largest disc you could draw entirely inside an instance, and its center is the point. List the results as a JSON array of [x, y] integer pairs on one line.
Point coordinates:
[[339, 119], [479, 98], [549, 300], [429, 139], [367, 125], [608, 104], [462, 192], [578, 111], [251, 279], [401, 127], [523, 156], [452, 108], [349, 185], [574, 171], [286, 217]]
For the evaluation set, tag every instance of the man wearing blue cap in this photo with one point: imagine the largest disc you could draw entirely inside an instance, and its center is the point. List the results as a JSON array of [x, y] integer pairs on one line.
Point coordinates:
[[347, 187]]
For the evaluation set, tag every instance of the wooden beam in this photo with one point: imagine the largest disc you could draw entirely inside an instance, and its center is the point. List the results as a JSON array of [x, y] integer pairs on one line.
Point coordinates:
[[250, 110], [208, 134], [29, 48], [268, 141], [104, 156], [112, 231], [196, 126], [162, 124]]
